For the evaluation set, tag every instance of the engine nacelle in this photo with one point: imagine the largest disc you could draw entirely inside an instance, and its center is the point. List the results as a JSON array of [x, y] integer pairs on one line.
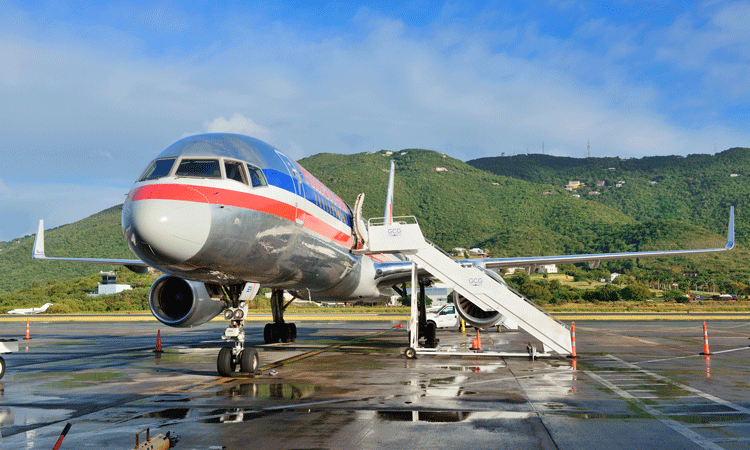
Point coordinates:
[[178, 302], [476, 316]]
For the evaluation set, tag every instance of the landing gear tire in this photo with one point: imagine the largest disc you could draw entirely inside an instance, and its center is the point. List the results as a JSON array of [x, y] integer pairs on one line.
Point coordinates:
[[270, 336], [275, 332], [430, 335], [283, 331], [249, 361], [410, 353], [226, 363], [2, 367]]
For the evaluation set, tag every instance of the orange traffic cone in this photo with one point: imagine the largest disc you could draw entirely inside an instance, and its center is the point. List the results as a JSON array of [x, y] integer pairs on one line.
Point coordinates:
[[398, 326], [158, 342], [705, 340], [476, 344], [27, 331], [573, 340]]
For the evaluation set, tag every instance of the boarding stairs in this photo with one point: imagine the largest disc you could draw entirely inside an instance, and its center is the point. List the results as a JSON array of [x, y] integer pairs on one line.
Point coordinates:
[[483, 287]]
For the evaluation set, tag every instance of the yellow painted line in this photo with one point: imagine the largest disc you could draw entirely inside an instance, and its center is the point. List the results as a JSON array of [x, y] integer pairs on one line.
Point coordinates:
[[150, 318], [636, 316]]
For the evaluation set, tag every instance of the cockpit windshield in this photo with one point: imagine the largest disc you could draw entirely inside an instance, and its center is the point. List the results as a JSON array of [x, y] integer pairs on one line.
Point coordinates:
[[201, 168], [158, 169]]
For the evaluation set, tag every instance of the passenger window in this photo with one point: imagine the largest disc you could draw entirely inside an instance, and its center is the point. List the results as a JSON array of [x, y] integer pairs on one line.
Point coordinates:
[[158, 169], [203, 168], [256, 176], [234, 171], [448, 310]]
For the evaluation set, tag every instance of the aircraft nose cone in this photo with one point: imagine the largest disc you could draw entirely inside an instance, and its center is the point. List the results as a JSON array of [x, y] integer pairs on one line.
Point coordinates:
[[166, 231]]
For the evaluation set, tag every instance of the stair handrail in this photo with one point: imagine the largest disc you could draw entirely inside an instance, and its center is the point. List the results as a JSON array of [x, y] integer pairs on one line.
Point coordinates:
[[495, 276]]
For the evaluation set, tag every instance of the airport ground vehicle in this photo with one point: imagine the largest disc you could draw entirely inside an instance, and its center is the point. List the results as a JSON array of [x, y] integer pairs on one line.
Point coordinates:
[[445, 317]]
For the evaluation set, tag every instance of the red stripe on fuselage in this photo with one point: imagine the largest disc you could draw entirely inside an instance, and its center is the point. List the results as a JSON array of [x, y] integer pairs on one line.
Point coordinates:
[[228, 197]]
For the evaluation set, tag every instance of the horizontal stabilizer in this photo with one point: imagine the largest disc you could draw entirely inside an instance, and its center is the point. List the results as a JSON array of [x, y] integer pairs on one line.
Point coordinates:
[[136, 265]]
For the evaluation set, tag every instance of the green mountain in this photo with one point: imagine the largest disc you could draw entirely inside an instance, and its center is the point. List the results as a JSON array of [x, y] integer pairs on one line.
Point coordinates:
[[696, 189], [459, 205]]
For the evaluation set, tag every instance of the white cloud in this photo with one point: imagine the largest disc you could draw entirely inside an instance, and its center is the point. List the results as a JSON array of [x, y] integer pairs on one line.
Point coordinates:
[[237, 124]]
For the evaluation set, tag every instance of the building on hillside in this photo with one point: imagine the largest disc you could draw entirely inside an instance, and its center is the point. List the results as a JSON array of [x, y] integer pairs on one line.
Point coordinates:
[[573, 185], [109, 285], [459, 251]]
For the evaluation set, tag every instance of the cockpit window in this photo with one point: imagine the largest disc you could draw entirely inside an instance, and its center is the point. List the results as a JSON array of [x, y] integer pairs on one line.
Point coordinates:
[[234, 171], [202, 168], [158, 169], [256, 176]]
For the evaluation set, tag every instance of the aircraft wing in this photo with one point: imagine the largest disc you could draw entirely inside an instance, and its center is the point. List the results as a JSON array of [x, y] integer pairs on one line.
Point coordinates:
[[595, 259], [135, 265], [400, 271]]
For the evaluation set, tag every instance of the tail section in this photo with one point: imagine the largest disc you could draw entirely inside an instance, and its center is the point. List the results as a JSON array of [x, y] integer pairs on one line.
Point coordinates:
[[730, 231], [388, 214], [39, 242]]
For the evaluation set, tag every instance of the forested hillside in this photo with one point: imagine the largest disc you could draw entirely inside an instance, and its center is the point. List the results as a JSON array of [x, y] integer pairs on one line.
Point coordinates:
[[696, 189]]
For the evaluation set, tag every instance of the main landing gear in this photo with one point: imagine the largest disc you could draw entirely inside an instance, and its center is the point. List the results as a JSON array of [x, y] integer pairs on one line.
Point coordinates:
[[427, 330], [231, 357], [279, 330]]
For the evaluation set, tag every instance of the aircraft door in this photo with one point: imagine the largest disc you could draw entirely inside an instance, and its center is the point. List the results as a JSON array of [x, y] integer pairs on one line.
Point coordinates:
[[297, 181]]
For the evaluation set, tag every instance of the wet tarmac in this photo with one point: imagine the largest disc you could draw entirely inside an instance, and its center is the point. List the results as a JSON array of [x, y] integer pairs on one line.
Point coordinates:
[[635, 385]]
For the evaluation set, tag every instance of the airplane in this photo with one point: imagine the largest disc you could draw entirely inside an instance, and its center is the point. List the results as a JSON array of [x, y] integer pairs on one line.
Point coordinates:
[[41, 309], [221, 214]]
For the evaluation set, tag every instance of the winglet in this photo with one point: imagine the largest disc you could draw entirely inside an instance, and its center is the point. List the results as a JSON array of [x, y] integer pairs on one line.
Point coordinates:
[[38, 252], [730, 232], [388, 214]]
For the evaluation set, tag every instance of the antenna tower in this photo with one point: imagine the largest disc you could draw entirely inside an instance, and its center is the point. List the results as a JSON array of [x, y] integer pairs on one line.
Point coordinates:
[[588, 148]]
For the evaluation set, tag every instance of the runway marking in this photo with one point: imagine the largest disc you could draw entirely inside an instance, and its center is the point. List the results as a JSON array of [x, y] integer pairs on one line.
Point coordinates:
[[665, 417], [693, 356], [676, 426]]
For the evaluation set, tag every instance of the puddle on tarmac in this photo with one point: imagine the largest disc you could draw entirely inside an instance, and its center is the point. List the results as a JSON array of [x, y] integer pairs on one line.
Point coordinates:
[[82, 379], [278, 391], [21, 416], [424, 416], [474, 369]]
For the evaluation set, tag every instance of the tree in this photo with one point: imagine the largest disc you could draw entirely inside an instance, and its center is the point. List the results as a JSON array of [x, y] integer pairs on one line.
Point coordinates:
[[637, 292]]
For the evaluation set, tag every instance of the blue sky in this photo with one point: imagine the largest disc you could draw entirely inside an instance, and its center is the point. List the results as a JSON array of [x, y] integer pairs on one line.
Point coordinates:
[[91, 92]]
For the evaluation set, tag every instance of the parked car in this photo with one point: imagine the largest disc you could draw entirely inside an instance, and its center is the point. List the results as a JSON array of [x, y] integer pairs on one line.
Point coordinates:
[[445, 317]]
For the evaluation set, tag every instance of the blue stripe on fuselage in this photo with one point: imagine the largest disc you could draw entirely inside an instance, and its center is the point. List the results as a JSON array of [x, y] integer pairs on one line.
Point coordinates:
[[286, 182]]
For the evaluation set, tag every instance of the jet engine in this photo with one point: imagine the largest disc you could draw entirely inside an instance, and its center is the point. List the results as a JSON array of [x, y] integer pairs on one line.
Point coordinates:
[[181, 303], [476, 316]]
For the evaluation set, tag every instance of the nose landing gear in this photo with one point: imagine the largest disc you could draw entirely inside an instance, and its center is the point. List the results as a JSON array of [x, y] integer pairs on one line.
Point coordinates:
[[230, 358]]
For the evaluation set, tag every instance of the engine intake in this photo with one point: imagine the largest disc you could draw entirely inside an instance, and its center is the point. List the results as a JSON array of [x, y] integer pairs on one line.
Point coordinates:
[[181, 303], [476, 316]]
